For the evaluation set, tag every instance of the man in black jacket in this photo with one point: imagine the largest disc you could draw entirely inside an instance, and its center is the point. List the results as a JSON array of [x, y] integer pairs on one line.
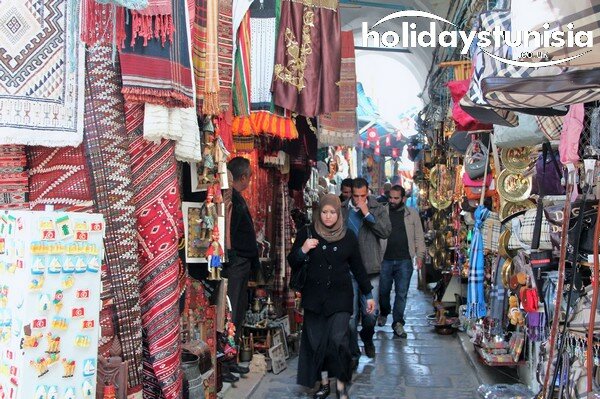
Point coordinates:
[[244, 250]]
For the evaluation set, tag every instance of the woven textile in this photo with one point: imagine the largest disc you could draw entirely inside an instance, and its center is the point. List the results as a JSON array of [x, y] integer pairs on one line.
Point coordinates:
[[106, 146], [262, 53], [225, 32], [159, 227], [210, 105], [41, 74], [154, 21], [199, 51], [102, 23], [13, 177], [159, 73], [340, 128], [241, 70], [264, 122], [59, 177]]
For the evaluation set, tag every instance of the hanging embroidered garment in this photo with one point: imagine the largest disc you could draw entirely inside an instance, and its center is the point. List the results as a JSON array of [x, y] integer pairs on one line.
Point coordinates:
[[476, 307], [157, 72], [159, 228], [340, 127], [14, 187], [225, 34], [41, 74], [308, 57], [106, 144], [59, 177]]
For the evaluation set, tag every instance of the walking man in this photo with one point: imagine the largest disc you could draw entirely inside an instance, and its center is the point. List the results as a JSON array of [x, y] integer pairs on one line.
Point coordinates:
[[369, 220], [405, 243]]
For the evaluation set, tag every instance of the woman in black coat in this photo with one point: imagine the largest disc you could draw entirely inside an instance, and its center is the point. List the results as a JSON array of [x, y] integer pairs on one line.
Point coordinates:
[[330, 254]]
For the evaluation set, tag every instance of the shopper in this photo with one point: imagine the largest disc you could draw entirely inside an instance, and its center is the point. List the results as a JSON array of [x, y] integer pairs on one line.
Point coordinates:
[[384, 198], [329, 253], [346, 189], [244, 250], [370, 222], [406, 242]]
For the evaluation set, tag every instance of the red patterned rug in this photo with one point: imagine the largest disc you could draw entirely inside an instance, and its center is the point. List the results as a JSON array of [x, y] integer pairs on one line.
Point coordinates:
[[14, 188], [59, 177]]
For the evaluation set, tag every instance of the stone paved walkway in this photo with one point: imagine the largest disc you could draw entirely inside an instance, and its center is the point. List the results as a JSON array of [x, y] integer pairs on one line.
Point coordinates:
[[425, 365]]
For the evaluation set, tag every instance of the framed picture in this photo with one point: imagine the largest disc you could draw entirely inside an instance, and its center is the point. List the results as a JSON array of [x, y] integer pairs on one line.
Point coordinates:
[[277, 356], [197, 182], [279, 337], [197, 238]]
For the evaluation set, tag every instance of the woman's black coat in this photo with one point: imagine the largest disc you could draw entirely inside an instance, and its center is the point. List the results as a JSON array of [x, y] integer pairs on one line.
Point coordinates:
[[328, 288]]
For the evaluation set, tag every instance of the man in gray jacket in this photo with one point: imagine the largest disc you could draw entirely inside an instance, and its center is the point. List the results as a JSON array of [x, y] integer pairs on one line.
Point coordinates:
[[405, 244], [369, 220]]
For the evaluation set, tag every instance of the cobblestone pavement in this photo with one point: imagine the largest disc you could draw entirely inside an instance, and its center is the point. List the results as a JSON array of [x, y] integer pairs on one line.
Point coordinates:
[[425, 365]]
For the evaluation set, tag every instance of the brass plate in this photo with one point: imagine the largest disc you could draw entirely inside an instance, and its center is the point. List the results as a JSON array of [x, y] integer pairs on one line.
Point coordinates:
[[517, 160], [503, 249], [439, 200], [510, 208], [507, 270], [513, 187]]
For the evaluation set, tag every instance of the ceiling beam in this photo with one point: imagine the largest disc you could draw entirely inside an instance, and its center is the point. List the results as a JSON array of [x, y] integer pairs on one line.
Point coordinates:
[[376, 5]]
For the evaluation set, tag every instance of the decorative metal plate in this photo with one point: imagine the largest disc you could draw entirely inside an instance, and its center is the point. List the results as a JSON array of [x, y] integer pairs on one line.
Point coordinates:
[[517, 160], [510, 208], [514, 187]]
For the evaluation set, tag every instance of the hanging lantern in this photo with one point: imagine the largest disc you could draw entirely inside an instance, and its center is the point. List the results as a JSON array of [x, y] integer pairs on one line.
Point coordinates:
[[377, 150], [394, 153], [388, 140]]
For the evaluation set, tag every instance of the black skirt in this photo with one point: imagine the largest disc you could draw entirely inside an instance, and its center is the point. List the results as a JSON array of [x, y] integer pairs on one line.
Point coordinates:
[[325, 346]]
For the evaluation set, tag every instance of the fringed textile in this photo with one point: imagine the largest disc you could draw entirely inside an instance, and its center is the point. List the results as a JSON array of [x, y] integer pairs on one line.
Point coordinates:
[[241, 70], [210, 105], [157, 20], [102, 23], [14, 189], [131, 4], [225, 32], [159, 73], [199, 51], [341, 127], [41, 74], [59, 177], [106, 145], [265, 122], [159, 228], [224, 128], [262, 53], [476, 307]]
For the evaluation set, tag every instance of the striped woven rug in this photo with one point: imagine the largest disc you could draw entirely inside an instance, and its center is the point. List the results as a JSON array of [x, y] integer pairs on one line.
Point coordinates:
[[162, 278], [14, 189], [106, 146]]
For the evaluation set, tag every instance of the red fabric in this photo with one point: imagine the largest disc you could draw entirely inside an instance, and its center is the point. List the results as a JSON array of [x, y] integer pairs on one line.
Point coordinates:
[[159, 227], [59, 177], [464, 121], [13, 177]]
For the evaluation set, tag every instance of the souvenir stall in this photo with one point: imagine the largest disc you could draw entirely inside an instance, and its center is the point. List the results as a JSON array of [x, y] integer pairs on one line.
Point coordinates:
[[124, 117], [513, 175]]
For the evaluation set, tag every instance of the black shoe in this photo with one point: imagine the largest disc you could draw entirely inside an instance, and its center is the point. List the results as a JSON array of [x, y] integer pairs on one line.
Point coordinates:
[[228, 377], [323, 392], [236, 368], [370, 350]]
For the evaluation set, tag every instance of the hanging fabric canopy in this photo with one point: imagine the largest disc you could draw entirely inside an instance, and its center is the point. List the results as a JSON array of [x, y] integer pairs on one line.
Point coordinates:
[[475, 296]]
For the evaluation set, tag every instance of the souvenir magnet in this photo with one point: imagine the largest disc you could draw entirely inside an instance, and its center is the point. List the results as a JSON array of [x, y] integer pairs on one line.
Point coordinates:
[[81, 225], [31, 341], [87, 388], [63, 225], [16, 327], [57, 301], [46, 224], [89, 367], [40, 365], [82, 341], [3, 296], [68, 266], [40, 392], [80, 266], [94, 265], [68, 282], [87, 324], [38, 267], [68, 368], [52, 392], [55, 267], [60, 323], [36, 283], [53, 343], [44, 302], [70, 393]]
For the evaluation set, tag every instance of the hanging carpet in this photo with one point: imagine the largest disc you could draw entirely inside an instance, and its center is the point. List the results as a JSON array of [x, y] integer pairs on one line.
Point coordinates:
[[159, 228], [106, 145], [41, 74], [225, 32], [14, 188]]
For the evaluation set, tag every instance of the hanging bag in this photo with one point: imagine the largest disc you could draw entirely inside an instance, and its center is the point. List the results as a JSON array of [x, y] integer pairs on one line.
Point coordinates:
[[526, 134], [476, 160], [299, 275]]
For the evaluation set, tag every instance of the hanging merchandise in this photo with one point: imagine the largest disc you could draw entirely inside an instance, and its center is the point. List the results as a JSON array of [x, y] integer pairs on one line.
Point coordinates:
[[527, 133], [476, 159], [571, 131], [476, 307], [464, 121], [551, 126]]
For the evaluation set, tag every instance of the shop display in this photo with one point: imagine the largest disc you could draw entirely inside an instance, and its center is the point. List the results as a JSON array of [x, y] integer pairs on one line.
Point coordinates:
[[49, 302]]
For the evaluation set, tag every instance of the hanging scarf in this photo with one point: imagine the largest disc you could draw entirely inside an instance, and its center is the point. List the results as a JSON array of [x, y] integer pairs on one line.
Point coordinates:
[[211, 90], [225, 30], [241, 71], [199, 51], [338, 230], [497, 299], [475, 296], [154, 21], [102, 24]]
